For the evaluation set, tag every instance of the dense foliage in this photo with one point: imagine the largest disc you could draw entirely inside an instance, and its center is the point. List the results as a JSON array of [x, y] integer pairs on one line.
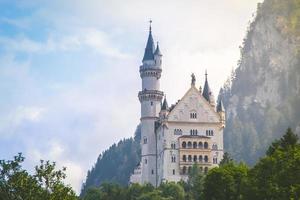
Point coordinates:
[[276, 176], [116, 164], [46, 183]]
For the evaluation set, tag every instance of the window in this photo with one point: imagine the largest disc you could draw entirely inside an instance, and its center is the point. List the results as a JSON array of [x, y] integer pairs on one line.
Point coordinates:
[[151, 103], [194, 132], [209, 133], [184, 170], [200, 158], [152, 171], [215, 146], [190, 158], [215, 160], [173, 146], [200, 145], [195, 145], [145, 161], [173, 159], [189, 169], [206, 158], [193, 115], [145, 140], [205, 145], [205, 169], [184, 145], [195, 158], [189, 145], [177, 131], [173, 171], [184, 158]]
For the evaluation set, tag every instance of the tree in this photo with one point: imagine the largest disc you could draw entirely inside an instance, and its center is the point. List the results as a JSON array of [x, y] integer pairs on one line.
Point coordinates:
[[277, 176], [46, 183], [288, 140], [172, 190], [225, 182], [226, 159]]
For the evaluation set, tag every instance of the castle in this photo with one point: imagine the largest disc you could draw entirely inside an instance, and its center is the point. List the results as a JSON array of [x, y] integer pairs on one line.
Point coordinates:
[[176, 137]]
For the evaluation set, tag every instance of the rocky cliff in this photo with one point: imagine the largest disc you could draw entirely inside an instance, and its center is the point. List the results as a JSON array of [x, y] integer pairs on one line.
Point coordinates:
[[262, 96]]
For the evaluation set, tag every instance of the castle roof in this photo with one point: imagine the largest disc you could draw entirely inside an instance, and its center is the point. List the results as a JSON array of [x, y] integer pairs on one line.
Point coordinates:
[[165, 105], [207, 94], [157, 50], [220, 107], [149, 50]]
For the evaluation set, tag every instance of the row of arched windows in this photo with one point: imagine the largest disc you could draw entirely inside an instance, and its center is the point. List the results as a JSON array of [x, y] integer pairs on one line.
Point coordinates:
[[187, 170], [195, 158], [194, 145]]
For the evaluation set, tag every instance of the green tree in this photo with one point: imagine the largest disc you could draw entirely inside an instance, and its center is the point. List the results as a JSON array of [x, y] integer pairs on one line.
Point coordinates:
[[225, 182], [277, 176], [46, 183], [226, 159], [172, 190]]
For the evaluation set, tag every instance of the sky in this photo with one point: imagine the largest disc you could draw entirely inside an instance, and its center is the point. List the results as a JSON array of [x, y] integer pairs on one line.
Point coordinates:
[[69, 74]]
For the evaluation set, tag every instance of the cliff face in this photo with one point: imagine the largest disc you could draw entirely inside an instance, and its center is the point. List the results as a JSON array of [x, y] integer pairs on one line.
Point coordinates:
[[262, 98]]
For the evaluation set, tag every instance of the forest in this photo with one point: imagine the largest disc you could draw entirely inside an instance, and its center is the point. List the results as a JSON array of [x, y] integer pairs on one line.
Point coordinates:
[[274, 176]]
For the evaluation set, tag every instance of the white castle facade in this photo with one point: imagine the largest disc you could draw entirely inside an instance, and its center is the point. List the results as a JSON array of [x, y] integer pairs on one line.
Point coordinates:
[[174, 138]]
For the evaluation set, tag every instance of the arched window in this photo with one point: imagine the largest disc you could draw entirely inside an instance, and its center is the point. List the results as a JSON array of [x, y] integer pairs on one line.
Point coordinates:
[[195, 145], [200, 158], [145, 140], [205, 169], [189, 169], [200, 145], [215, 146], [206, 158], [201, 169], [184, 158], [173, 159], [195, 158], [205, 145], [189, 145], [194, 132], [184, 170], [184, 145], [190, 158], [173, 146], [193, 115], [215, 160]]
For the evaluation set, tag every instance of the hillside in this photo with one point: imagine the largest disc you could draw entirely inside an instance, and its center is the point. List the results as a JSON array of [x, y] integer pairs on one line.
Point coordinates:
[[116, 163], [262, 96]]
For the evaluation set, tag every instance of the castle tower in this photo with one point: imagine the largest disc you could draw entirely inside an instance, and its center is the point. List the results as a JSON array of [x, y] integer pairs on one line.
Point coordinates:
[[150, 98], [207, 93]]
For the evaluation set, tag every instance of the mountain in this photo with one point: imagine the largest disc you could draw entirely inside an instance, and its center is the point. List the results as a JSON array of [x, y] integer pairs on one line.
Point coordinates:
[[116, 164], [262, 96]]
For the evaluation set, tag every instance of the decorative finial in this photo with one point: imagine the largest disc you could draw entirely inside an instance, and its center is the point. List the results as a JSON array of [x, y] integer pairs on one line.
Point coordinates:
[[193, 79], [206, 74], [150, 22]]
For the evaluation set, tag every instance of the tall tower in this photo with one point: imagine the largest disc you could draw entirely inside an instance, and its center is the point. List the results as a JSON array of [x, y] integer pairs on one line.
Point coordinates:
[[150, 98]]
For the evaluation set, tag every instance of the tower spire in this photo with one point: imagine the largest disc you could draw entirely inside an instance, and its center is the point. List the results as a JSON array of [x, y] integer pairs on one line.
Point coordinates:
[[149, 50]]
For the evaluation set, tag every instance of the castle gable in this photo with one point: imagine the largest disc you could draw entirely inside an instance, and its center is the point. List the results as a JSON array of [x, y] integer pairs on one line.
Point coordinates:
[[193, 103]]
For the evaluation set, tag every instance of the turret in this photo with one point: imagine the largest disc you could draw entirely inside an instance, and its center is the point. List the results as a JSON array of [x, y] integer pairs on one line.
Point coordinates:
[[207, 93], [157, 56], [164, 109], [221, 111]]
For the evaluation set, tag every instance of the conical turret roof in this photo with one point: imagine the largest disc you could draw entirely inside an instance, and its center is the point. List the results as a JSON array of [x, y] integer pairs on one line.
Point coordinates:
[[165, 105], [149, 50]]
